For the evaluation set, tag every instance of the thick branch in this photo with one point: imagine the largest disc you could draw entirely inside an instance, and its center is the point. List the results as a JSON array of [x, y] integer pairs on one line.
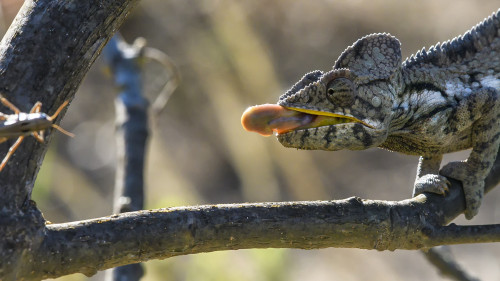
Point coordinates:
[[98, 244]]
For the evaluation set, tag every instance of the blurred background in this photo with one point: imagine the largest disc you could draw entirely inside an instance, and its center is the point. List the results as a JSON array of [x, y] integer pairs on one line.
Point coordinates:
[[231, 55]]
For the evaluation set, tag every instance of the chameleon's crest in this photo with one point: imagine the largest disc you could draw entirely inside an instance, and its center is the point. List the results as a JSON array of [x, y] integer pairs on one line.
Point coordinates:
[[376, 56], [307, 79], [331, 92]]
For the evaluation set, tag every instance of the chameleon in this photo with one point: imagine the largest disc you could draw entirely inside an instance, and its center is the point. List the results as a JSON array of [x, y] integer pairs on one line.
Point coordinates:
[[437, 101]]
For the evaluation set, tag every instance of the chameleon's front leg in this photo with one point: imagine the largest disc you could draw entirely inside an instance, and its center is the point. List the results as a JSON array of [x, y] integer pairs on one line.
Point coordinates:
[[428, 178], [485, 142]]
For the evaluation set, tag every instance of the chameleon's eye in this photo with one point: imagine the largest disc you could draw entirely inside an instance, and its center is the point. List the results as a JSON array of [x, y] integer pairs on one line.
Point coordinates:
[[340, 92]]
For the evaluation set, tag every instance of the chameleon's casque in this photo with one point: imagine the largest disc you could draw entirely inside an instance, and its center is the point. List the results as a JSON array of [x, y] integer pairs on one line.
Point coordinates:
[[437, 101]]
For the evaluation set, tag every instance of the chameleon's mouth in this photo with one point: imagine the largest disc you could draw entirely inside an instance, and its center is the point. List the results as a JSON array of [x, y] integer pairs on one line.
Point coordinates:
[[322, 118], [268, 118]]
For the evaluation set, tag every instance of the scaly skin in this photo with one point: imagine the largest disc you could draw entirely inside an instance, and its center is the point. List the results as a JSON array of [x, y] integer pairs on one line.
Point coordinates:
[[438, 101]]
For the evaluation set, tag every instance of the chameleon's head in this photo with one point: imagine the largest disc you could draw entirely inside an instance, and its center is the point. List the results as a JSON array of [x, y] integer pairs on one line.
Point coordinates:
[[350, 106]]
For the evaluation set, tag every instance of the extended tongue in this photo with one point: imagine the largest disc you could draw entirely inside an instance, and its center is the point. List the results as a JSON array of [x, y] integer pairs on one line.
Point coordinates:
[[268, 118]]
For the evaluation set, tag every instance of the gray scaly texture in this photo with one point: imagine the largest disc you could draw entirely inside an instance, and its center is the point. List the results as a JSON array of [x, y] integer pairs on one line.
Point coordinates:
[[438, 101]]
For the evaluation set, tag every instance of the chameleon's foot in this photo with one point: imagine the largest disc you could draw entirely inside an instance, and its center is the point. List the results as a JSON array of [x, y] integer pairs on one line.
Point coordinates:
[[431, 183], [473, 185]]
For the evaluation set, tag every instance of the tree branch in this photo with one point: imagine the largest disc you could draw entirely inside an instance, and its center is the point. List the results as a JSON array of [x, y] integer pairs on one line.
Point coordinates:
[[92, 245], [461, 234], [441, 258], [98, 244]]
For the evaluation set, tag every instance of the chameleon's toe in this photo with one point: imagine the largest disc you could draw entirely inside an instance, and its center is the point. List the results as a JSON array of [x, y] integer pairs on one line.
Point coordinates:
[[473, 203], [474, 192], [473, 185], [431, 183]]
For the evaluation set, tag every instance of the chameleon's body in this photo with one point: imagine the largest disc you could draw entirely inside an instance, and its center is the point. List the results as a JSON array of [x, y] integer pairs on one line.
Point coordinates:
[[438, 101]]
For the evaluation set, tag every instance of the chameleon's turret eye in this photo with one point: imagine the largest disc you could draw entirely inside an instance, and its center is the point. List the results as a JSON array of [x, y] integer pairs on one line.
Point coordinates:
[[340, 92]]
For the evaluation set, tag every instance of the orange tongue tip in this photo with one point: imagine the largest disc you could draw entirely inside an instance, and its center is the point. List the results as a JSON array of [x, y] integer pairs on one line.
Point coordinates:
[[268, 118]]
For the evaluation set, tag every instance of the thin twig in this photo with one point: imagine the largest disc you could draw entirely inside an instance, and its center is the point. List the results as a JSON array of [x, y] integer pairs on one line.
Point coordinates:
[[172, 83], [442, 259]]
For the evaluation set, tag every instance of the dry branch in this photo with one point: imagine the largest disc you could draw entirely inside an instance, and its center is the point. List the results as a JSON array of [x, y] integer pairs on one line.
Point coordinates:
[[97, 244], [92, 245]]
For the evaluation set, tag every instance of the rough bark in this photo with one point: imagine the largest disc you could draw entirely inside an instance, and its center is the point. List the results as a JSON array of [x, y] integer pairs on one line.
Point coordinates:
[[97, 244], [351, 223]]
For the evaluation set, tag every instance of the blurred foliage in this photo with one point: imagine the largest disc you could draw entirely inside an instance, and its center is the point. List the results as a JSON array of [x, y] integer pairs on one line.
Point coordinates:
[[233, 54]]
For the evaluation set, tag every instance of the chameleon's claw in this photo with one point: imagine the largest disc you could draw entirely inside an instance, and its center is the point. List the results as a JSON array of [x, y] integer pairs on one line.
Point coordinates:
[[447, 186], [431, 183]]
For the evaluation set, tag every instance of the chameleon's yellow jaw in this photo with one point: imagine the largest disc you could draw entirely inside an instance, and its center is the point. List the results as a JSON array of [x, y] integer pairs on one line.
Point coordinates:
[[268, 118], [327, 118]]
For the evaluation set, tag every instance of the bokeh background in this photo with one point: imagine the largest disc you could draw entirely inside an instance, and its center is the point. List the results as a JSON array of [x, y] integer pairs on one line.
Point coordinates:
[[231, 55]]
